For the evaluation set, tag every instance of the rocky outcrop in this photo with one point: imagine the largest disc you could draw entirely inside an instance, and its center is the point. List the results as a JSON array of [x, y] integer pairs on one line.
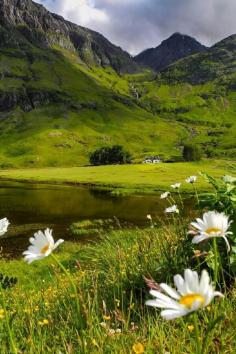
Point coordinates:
[[30, 23], [25, 99]]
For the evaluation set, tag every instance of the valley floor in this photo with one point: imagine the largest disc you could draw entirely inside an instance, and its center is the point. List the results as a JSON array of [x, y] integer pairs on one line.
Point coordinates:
[[125, 178]]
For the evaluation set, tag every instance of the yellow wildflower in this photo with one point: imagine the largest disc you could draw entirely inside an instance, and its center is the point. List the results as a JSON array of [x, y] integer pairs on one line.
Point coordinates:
[[138, 348], [43, 322], [2, 314], [190, 328], [197, 253], [94, 342], [117, 302]]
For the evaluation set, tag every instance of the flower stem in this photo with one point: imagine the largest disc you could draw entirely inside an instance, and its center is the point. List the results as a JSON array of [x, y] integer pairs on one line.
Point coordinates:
[[9, 331], [197, 333], [70, 279], [196, 194], [181, 200], [216, 265]]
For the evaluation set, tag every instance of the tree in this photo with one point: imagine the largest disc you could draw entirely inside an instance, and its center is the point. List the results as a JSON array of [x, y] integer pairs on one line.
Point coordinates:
[[110, 156], [192, 152]]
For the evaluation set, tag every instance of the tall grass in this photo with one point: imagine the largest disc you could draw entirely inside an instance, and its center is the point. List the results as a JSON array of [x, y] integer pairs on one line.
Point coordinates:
[[100, 306], [111, 293]]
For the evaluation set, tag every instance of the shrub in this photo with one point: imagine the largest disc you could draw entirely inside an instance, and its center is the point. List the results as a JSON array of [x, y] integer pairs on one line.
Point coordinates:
[[110, 156], [191, 152]]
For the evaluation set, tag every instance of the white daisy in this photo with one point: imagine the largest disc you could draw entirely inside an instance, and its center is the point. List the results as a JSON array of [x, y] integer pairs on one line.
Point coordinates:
[[213, 224], [4, 223], [42, 245], [192, 294], [172, 209], [165, 195], [176, 185], [191, 179]]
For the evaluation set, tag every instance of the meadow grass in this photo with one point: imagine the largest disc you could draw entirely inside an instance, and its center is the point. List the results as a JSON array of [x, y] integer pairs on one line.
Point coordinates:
[[91, 298], [111, 291], [126, 178]]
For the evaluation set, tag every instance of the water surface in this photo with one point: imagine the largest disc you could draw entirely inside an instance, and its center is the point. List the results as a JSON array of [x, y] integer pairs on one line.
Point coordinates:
[[30, 207]]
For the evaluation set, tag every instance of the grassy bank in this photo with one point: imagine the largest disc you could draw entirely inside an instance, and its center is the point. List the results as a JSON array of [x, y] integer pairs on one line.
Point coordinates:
[[128, 178], [113, 317]]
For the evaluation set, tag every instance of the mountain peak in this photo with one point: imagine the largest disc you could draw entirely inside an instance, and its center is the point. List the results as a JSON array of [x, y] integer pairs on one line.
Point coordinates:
[[176, 47], [177, 35]]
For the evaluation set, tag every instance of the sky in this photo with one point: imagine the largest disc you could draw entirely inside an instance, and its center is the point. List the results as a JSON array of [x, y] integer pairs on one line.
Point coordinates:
[[139, 24]]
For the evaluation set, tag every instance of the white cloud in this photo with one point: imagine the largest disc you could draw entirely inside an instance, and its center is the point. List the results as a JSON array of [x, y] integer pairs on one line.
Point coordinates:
[[82, 12], [139, 24]]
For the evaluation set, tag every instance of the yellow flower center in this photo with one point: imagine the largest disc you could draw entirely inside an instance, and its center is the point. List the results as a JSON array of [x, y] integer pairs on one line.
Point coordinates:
[[44, 249], [212, 230], [189, 300]]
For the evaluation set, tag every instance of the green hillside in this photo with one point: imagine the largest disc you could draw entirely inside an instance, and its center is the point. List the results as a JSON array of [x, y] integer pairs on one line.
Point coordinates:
[[199, 93], [62, 111], [57, 106]]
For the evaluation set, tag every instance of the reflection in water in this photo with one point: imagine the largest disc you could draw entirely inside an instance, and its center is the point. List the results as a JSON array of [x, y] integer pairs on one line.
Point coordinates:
[[30, 207]]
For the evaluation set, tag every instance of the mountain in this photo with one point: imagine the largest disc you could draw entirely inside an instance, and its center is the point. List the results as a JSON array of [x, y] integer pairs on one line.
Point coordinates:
[[66, 91], [218, 62], [33, 44], [63, 94], [199, 92], [176, 47], [25, 23]]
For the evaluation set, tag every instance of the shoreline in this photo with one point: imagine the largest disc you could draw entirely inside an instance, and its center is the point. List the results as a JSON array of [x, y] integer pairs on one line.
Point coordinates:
[[114, 189], [123, 179]]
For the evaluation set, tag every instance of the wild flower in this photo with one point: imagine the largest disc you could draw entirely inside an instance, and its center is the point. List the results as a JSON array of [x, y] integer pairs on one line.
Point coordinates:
[[94, 342], [191, 328], [192, 294], [44, 322], [172, 209], [4, 223], [42, 245], [213, 224], [103, 324], [134, 327], [191, 179], [2, 314], [176, 185], [111, 332], [165, 195], [138, 348], [149, 217]]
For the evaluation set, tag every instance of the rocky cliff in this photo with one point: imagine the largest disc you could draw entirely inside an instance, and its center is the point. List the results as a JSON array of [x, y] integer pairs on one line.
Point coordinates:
[[25, 23]]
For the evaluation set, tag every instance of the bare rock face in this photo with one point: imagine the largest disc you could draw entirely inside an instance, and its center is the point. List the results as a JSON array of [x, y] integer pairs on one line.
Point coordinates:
[[23, 22], [176, 47]]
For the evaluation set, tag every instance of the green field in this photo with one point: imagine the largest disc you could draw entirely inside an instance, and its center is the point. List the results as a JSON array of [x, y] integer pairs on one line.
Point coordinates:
[[126, 178]]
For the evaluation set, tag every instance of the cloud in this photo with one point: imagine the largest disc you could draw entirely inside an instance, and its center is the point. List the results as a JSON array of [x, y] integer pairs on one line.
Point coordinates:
[[139, 24], [82, 12]]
